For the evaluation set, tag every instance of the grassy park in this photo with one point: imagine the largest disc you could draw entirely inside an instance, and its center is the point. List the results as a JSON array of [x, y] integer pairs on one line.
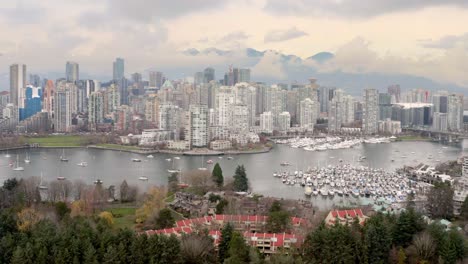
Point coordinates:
[[57, 141]]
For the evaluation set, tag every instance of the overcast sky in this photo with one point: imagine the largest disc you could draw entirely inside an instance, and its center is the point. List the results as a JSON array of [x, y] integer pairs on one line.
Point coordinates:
[[426, 38]]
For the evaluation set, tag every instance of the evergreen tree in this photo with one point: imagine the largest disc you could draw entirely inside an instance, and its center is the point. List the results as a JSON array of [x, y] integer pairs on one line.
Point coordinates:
[[90, 255], [217, 175], [165, 219], [111, 256], [239, 251], [408, 224], [18, 256], [464, 209], [241, 183], [223, 246], [453, 248], [377, 239]]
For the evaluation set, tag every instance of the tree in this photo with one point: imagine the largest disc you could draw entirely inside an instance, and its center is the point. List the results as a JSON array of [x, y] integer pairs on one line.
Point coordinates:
[[124, 191], [197, 248], [440, 201], [239, 251], [464, 209], [27, 218], [153, 202], [165, 219], [61, 209], [424, 247], [408, 224], [225, 240], [453, 249], [377, 239], [106, 218], [220, 206], [278, 219], [217, 175], [241, 183]]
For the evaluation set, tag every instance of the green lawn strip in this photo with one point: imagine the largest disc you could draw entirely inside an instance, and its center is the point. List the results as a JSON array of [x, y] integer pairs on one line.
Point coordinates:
[[124, 217], [57, 141]]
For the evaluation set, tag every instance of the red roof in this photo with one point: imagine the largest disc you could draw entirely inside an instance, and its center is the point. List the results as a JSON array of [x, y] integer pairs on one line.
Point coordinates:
[[352, 213]]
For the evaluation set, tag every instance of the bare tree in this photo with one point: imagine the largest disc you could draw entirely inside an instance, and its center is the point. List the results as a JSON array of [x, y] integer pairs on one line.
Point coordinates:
[[29, 189], [79, 187], [199, 179], [424, 246], [197, 248]]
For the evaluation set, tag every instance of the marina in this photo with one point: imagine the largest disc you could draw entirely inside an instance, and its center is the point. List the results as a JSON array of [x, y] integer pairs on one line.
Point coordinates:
[[112, 167]]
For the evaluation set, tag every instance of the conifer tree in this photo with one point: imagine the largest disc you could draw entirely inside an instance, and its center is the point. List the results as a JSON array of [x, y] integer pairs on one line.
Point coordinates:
[[217, 175]]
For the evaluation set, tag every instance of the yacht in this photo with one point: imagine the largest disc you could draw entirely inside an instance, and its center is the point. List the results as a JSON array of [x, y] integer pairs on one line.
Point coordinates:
[[17, 167], [98, 181], [61, 178], [136, 160], [315, 192], [308, 191], [168, 159], [173, 171], [209, 162], [143, 178], [150, 156], [82, 164]]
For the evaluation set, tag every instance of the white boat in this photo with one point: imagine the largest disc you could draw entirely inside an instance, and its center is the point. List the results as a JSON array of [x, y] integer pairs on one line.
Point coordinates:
[[98, 181], [27, 159], [209, 162], [230, 158], [63, 157], [173, 171], [41, 185], [143, 178], [136, 160], [308, 191], [17, 167], [168, 159], [7, 155], [315, 192], [61, 178], [177, 158], [82, 164], [150, 156]]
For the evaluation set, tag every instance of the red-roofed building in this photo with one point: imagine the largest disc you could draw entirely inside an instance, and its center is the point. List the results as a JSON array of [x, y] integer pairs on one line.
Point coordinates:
[[345, 216]]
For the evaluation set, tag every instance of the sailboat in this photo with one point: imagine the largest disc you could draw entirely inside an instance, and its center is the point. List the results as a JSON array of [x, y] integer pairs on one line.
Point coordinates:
[[172, 170], [142, 178], [63, 157], [7, 155], [18, 168], [181, 182], [203, 164], [27, 159], [41, 185]]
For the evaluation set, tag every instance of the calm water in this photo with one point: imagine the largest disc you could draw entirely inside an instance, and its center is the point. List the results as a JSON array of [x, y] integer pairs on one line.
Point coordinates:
[[113, 166]]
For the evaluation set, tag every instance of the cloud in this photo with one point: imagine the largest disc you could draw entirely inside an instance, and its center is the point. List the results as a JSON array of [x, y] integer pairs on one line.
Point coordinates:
[[22, 13], [235, 36], [357, 57], [143, 10], [270, 66], [446, 42], [352, 8], [284, 34]]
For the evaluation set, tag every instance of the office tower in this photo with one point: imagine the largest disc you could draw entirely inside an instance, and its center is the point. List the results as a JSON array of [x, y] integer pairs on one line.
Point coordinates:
[[455, 112], [324, 97], [72, 71], [73, 93], [95, 110], [62, 113], [82, 96], [291, 105], [112, 99], [198, 125], [35, 80], [247, 95], [199, 78], [439, 121], [155, 79], [307, 91], [118, 69], [308, 114], [284, 121], [91, 87], [32, 102], [385, 106], [137, 77], [122, 85], [266, 122], [208, 75], [440, 102], [395, 92], [370, 113], [244, 75], [17, 84], [260, 98]]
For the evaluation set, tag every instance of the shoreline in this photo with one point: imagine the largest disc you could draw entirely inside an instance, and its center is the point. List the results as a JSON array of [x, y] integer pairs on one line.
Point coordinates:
[[147, 152]]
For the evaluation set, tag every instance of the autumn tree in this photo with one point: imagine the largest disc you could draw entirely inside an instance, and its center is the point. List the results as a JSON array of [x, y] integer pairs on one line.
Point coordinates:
[[217, 175], [27, 218], [152, 203]]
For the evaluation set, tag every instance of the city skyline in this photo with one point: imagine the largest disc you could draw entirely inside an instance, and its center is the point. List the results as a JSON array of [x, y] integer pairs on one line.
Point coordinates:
[[149, 38]]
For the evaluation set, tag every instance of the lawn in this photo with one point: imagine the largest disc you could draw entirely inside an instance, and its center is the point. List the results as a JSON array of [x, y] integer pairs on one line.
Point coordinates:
[[117, 146], [57, 141], [124, 217]]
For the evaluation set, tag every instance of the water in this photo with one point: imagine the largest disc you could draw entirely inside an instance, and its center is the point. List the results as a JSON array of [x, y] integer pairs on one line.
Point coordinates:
[[112, 167]]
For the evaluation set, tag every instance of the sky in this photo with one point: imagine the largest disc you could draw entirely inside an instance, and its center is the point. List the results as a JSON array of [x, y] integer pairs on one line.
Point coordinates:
[[426, 38]]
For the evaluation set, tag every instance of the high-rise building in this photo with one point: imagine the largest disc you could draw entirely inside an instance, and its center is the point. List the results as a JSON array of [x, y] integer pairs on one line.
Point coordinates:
[[284, 121], [308, 114], [247, 95], [199, 78], [439, 121], [137, 77], [170, 118], [385, 106], [63, 112], [17, 84], [395, 92], [208, 75], [325, 94], [49, 97], [95, 110], [244, 75], [118, 69], [156, 79], [35, 80], [198, 125], [122, 85], [455, 112], [266, 122], [348, 109], [224, 104], [72, 70], [32, 102], [336, 111], [152, 110], [240, 117], [370, 113]]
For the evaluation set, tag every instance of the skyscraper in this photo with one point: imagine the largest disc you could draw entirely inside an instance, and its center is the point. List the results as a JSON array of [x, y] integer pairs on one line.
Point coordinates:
[[72, 71], [244, 75], [119, 69], [209, 75], [308, 113], [63, 112], [370, 114], [17, 84], [198, 125], [155, 79], [95, 110]]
